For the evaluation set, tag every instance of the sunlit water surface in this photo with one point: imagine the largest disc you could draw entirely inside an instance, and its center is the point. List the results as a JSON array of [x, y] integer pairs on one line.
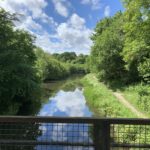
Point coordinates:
[[65, 103], [70, 103]]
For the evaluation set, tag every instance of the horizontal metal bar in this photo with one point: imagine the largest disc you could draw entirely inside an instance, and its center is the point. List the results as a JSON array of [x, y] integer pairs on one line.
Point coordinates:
[[30, 119], [131, 145], [28, 142]]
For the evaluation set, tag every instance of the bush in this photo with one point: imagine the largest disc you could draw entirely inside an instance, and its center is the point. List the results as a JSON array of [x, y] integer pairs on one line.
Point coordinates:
[[48, 67], [144, 97], [77, 69], [144, 70]]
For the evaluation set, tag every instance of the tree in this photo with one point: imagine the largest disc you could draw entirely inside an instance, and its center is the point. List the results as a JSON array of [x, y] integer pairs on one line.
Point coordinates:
[[48, 67], [108, 43], [136, 52], [18, 81], [80, 59], [66, 56]]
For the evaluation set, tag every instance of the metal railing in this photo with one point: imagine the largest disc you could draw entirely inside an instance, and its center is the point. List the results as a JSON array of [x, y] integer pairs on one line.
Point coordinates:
[[57, 133]]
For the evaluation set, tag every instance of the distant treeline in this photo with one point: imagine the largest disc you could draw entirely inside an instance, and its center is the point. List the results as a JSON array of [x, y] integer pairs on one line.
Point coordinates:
[[59, 66], [121, 49]]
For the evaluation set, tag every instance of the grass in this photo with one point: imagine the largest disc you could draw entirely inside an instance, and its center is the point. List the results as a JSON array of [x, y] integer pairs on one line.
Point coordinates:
[[101, 100], [139, 96]]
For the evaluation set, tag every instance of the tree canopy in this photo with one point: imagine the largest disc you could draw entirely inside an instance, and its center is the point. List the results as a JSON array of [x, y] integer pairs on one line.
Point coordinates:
[[18, 81], [108, 43], [121, 48], [136, 51]]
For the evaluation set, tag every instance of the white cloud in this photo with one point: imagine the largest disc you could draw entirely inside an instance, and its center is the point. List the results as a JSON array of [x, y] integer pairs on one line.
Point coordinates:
[[44, 41], [69, 103], [76, 21], [72, 35], [95, 4], [107, 11], [61, 8], [27, 7], [18, 5], [46, 19], [28, 24]]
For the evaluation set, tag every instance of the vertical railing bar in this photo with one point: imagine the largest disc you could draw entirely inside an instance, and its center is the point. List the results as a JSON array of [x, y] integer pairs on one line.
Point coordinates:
[[96, 136], [102, 135], [107, 136]]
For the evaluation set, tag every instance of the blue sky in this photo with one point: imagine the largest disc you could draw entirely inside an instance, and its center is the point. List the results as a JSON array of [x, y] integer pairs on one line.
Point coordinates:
[[61, 25]]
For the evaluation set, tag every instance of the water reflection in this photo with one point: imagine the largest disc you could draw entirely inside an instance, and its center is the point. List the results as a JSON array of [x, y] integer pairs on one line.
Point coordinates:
[[66, 99], [66, 133], [71, 103]]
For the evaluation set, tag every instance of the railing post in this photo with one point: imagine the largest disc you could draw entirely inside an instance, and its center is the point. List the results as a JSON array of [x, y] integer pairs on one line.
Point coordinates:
[[102, 136]]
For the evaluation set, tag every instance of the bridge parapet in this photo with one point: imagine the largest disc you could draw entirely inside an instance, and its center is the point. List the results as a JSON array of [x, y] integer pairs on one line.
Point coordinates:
[[63, 133]]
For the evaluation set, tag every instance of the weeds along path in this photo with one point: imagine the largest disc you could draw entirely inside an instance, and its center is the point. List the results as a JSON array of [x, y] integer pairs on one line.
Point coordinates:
[[122, 100]]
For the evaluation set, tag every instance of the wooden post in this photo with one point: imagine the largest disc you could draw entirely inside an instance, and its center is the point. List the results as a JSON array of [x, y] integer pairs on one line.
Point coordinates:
[[102, 136]]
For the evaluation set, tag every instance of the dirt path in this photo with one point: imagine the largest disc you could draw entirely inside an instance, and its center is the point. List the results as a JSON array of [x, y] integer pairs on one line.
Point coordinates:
[[122, 100]]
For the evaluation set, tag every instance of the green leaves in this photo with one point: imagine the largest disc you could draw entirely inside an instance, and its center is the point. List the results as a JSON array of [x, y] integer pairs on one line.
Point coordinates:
[[144, 70], [18, 81], [137, 34], [121, 47], [48, 67], [105, 54]]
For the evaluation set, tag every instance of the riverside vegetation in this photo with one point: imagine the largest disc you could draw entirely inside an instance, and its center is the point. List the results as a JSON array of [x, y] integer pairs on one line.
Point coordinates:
[[120, 55], [119, 60], [23, 67]]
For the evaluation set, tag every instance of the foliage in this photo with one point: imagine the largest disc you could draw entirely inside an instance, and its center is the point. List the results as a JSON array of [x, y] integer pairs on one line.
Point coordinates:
[[77, 69], [108, 43], [144, 70], [66, 56], [18, 81], [138, 95], [59, 66], [48, 67], [81, 59], [71, 58], [136, 51], [121, 47]]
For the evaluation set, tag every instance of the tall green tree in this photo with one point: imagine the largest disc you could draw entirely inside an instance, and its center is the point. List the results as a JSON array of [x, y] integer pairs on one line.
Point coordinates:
[[108, 44], [136, 52], [18, 81]]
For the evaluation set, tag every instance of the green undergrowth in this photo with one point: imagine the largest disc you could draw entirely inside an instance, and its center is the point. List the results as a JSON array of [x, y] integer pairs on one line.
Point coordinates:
[[139, 96], [101, 100]]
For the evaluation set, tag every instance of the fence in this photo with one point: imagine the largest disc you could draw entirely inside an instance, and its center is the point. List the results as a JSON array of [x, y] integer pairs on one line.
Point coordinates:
[[52, 133]]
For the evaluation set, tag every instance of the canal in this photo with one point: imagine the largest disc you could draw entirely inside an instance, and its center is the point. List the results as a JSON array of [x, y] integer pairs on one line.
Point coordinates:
[[65, 98]]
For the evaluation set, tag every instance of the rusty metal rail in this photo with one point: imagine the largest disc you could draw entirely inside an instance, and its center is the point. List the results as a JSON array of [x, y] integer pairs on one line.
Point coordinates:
[[63, 133]]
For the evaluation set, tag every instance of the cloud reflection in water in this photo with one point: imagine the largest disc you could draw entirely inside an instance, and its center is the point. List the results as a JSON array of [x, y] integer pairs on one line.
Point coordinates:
[[72, 104]]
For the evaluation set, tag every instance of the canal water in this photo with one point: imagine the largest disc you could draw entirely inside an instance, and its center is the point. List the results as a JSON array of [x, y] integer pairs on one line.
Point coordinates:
[[67, 99], [62, 99]]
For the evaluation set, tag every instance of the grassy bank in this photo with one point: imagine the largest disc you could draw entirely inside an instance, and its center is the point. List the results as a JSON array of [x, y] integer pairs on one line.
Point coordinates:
[[101, 100]]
